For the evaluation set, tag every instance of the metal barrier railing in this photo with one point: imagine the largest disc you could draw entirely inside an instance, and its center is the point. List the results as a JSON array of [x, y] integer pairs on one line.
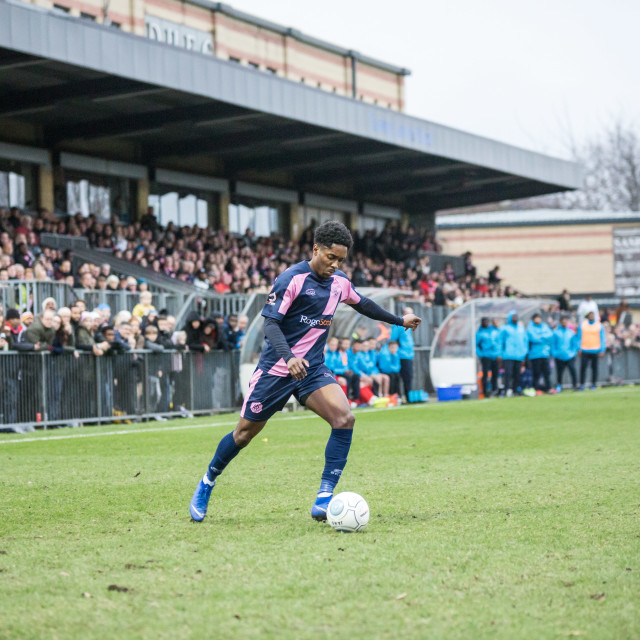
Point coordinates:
[[42, 389], [127, 300], [28, 295], [432, 318]]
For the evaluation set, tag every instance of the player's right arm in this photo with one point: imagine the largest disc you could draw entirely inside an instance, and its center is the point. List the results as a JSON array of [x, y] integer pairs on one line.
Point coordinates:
[[273, 332]]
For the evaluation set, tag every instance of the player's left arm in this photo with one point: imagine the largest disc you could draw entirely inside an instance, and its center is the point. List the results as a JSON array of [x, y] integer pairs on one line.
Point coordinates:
[[370, 309]]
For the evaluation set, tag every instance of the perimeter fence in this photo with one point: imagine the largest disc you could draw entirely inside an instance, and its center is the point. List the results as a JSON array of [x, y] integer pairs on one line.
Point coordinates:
[[42, 389]]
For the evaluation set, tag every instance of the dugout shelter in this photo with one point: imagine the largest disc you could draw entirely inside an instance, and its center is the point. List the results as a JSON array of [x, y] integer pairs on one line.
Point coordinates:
[[453, 351]]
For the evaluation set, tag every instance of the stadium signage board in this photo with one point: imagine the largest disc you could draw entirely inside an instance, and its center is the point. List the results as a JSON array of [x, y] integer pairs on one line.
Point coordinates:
[[178, 35], [626, 256]]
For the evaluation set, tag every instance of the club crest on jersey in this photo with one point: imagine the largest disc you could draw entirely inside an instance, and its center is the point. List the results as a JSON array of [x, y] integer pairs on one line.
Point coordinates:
[[271, 298], [256, 407], [310, 292], [335, 290]]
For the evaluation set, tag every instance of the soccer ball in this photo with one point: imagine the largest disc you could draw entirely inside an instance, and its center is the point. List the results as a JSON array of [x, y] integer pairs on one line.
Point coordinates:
[[348, 512]]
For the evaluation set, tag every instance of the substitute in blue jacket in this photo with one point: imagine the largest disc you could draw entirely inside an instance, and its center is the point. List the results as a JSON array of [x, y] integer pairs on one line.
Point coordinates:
[[389, 363], [366, 364], [488, 351], [514, 345], [592, 345], [540, 335], [406, 353], [564, 348]]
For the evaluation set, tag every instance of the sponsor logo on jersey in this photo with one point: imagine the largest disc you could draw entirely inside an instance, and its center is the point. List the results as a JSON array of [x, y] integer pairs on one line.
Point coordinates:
[[256, 407], [328, 375], [315, 322], [271, 298], [310, 292]]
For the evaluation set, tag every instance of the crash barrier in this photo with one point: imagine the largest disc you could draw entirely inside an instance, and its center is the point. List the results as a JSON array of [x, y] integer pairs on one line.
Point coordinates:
[[28, 295], [43, 389]]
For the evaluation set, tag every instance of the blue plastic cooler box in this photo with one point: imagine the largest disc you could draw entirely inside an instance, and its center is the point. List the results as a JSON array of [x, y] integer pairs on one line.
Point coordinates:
[[449, 393]]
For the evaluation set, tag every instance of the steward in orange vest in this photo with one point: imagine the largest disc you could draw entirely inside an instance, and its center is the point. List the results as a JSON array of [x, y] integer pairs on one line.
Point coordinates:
[[592, 345]]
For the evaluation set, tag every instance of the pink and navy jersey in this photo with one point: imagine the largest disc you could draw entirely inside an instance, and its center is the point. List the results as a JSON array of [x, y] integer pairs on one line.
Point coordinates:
[[304, 304]]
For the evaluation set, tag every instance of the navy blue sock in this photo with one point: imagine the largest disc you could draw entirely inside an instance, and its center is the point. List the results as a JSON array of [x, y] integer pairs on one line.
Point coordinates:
[[227, 450], [335, 456]]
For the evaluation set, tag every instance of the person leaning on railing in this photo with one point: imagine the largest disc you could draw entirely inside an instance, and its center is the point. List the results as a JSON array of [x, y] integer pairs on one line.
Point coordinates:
[[41, 333]]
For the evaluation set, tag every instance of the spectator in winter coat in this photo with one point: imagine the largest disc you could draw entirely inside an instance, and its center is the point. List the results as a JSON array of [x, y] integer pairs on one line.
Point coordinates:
[[151, 340], [540, 335], [229, 337], [514, 345], [592, 345], [12, 330], [193, 329], [488, 351], [41, 332], [85, 338], [564, 347], [210, 337]]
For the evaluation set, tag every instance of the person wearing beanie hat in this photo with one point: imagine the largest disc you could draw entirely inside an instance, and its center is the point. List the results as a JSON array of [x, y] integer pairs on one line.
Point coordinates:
[[27, 319], [13, 314]]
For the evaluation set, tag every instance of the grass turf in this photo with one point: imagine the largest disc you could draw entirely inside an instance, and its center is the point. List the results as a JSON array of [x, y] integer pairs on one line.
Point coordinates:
[[500, 519]]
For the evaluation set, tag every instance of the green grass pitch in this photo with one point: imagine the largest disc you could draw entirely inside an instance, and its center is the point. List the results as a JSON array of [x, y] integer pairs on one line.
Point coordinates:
[[514, 518]]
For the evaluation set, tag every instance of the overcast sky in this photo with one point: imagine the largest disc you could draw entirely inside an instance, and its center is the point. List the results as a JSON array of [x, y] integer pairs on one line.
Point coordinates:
[[532, 73]]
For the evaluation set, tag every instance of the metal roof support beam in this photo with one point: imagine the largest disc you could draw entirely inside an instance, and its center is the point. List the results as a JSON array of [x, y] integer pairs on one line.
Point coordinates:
[[480, 195], [139, 123], [274, 159], [20, 62], [48, 97], [229, 144], [459, 185]]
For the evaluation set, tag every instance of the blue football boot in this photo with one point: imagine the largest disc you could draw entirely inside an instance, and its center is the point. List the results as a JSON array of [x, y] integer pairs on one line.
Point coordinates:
[[200, 500], [319, 509]]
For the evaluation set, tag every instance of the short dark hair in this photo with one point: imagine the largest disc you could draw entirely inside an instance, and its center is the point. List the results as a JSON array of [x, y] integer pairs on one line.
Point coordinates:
[[333, 232]]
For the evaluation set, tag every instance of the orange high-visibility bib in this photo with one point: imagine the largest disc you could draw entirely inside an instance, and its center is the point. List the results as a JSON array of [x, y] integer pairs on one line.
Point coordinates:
[[591, 336]]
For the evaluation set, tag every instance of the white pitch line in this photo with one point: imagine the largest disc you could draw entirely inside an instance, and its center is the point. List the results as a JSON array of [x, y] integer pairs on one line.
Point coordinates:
[[309, 416], [70, 436]]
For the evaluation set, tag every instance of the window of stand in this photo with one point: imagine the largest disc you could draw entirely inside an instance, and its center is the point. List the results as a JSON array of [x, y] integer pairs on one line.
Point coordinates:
[[318, 216], [102, 196], [366, 223], [263, 218], [18, 184], [184, 207]]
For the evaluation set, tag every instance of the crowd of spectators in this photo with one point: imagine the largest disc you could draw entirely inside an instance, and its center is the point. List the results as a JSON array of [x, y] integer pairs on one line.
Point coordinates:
[[73, 329], [67, 332], [231, 263]]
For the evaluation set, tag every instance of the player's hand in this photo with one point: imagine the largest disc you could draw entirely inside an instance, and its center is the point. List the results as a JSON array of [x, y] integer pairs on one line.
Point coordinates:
[[298, 368], [411, 321]]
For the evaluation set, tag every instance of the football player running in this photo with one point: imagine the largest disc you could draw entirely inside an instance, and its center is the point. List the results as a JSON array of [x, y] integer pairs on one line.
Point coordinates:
[[298, 313]]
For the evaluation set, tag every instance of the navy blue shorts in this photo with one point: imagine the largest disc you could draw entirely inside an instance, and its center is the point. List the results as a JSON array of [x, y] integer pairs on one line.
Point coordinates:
[[269, 394]]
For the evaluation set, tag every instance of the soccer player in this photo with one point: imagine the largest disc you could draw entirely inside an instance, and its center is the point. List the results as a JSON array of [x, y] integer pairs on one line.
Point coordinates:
[[298, 313]]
